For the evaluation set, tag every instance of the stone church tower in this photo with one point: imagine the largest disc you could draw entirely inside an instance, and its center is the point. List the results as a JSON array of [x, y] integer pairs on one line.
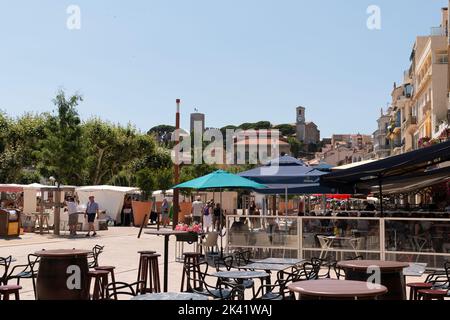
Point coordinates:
[[301, 124]]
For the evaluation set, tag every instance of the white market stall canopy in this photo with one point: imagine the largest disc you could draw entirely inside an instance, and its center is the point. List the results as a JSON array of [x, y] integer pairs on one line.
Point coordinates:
[[109, 198]]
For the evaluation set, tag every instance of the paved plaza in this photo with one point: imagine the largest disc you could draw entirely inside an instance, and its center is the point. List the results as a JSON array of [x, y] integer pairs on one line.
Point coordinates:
[[121, 250]]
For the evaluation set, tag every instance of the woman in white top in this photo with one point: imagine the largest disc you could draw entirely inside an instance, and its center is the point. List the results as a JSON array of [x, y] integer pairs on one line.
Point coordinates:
[[72, 210]]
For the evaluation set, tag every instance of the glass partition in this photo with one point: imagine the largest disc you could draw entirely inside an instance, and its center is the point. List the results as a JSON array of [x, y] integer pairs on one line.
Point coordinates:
[[418, 240], [340, 238], [268, 236], [425, 240]]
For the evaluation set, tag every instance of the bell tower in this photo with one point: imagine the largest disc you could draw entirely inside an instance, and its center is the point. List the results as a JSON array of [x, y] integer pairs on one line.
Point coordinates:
[[300, 123]]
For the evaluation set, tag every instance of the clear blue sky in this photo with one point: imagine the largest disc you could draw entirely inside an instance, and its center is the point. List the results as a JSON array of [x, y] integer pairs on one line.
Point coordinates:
[[235, 60]]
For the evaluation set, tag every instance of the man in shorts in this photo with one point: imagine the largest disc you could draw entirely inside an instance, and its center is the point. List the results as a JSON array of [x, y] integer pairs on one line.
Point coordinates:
[[91, 213]]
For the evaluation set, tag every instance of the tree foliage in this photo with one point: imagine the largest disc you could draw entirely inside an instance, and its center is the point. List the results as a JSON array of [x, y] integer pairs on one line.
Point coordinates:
[[286, 129], [60, 153]]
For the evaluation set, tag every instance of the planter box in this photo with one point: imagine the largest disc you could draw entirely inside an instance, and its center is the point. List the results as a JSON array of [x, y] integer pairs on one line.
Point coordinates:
[[191, 237], [140, 209]]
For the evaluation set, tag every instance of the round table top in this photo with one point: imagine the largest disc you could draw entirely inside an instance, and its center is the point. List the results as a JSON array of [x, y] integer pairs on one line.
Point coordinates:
[[364, 264], [165, 232], [333, 288], [62, 253], [240, 274], [171, 296]]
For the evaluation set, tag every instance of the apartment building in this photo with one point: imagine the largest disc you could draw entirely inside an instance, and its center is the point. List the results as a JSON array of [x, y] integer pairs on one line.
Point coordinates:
[[382, 144], [420, 105]]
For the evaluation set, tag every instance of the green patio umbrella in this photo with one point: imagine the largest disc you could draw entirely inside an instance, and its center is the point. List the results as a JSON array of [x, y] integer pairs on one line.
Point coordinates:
[[220, 180]]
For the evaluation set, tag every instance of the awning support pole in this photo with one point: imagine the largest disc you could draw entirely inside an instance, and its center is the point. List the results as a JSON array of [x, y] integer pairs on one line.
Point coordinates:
[[380, 185]]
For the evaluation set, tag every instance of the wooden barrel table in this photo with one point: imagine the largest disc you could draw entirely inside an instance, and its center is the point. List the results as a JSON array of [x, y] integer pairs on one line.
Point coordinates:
[[391, 275], [62, 275]]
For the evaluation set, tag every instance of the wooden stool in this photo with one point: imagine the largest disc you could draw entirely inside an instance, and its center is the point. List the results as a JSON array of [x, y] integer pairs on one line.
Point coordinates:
[[149, 273], [191, 260], [433, 294], [100, 283], [110, 270], [415, 287], [8, 290], [141, 259]]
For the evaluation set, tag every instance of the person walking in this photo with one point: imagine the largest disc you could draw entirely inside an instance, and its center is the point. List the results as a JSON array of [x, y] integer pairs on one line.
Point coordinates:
[[72, 210], [91, 213], [197, 208], [218, 217], [165, 212], [207, 215]]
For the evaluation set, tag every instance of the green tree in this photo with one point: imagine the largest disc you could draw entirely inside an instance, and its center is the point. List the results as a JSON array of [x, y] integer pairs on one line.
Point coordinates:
[[286, 129], [112, 149], [61, 153], [296, 146], [164, 179], [19, 139], [145, 180]]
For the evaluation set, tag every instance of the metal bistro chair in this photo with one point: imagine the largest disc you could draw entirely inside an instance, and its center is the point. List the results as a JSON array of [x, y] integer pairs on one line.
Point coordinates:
[[435, 282], [28, 271], [228, 263], [5, 263], [340, 273], [93, 256], [116, 289], [222, 290], [242, 258], [210, 243], [278, 290]]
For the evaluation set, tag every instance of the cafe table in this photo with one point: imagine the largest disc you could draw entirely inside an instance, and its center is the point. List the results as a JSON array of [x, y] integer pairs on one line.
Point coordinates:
[[288, 261], [332, 289], [171, 296], [391, 275], [415, 269], [240, 275], [56, 269], [166, 233]]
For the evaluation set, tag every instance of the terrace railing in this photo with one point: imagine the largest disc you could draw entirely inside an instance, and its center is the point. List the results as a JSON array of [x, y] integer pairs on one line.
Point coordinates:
[[425, 240]]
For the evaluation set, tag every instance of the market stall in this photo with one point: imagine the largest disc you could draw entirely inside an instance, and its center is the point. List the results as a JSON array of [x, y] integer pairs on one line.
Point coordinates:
[[109, 198]]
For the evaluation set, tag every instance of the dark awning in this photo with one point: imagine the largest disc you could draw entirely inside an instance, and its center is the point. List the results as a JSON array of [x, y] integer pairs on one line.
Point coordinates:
[[294, 189], [396, 166], [410, 182]]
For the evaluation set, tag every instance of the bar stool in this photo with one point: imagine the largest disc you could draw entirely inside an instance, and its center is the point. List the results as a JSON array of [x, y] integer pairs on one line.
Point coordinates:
[[141, 259], [415, 287], [190, 259], [149, 273], [110, 271], [8, 290], [100, 282], [430, 294]]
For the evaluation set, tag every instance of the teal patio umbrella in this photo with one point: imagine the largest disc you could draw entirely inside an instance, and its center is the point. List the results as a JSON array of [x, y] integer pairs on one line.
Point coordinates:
[[220, 180]]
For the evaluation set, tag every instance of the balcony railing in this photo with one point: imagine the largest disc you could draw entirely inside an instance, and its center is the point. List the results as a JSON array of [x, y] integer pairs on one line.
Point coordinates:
[[438, 31], [412, 120]]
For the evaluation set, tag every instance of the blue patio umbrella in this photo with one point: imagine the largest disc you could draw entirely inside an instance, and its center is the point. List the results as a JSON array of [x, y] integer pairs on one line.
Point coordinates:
[[287, 175]]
